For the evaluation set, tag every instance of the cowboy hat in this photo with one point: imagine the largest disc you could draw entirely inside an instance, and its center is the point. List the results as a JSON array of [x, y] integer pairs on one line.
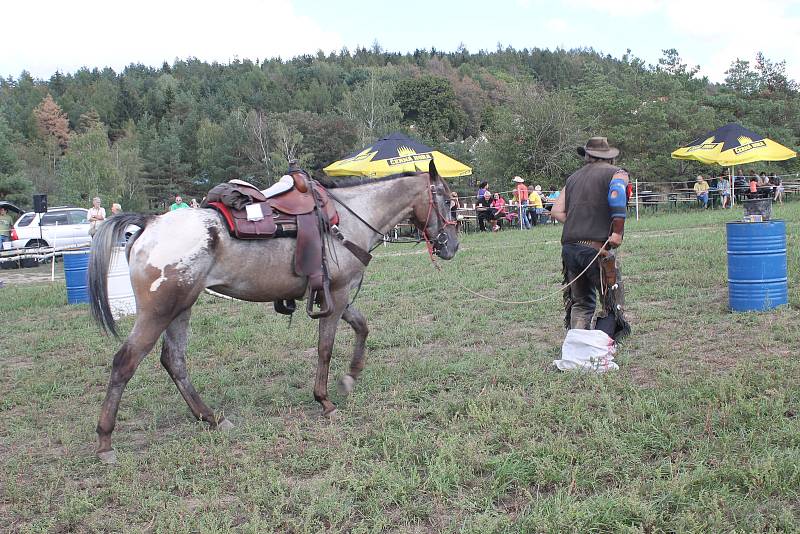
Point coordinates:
[[598, 147], [537, 188], [518, 179]]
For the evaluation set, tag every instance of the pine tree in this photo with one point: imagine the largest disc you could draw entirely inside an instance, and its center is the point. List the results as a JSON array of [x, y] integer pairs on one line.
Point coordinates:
[[53, 129], [88, 120], [52, 122]]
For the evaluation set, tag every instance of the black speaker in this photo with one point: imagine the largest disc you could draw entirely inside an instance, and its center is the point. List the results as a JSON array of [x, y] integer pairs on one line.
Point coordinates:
[[40, 203]]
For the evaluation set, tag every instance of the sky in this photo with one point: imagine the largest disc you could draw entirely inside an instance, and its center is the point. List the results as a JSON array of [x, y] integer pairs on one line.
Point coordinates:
[[47, 36]]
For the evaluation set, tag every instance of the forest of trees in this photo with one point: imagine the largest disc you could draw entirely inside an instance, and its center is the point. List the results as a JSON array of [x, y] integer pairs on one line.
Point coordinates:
[[140, 136]]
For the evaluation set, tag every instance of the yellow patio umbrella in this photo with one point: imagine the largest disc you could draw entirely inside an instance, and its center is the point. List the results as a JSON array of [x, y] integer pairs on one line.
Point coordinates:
[[394, 154], [732, 145]]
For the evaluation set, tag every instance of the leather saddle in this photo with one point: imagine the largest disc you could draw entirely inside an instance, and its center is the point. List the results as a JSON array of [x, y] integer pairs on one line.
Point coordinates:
[[302, 209]]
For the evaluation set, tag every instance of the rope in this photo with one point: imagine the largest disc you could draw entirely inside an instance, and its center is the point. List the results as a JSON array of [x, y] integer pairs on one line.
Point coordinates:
[[520, 302]]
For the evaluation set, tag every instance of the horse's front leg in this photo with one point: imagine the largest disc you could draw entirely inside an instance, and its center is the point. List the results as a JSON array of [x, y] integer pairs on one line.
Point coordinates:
[[359, 324], [327, 334]]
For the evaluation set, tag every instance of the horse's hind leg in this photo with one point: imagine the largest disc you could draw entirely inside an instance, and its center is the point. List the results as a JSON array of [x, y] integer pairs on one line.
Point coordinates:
[[139, 343], [173, 353], [356, 320]]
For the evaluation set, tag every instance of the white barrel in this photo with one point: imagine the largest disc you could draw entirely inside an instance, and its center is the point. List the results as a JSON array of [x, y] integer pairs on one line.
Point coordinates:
[[120, 292]]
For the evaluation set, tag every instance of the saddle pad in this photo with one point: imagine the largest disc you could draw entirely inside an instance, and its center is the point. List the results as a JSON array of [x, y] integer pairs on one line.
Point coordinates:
[[243, 228]]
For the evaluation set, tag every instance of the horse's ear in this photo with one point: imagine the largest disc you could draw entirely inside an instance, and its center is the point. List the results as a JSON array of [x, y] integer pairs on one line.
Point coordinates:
[[432, 171]]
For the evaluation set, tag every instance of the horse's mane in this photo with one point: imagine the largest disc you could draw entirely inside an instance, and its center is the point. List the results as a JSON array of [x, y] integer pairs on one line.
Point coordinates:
[[354, 181]]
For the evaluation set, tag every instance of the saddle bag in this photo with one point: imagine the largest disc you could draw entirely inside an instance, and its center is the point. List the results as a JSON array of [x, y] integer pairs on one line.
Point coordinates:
[[253, 222]]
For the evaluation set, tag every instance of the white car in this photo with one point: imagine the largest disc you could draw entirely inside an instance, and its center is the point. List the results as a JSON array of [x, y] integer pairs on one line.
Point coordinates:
[[62, 227]]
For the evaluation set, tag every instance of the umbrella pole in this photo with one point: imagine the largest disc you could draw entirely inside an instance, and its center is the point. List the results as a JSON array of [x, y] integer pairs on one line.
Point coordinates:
[[730, 186]]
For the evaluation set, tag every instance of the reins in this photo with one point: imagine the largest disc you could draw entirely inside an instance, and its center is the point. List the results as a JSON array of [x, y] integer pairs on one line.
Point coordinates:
[[431, 246], [520, 302], [387, 238]]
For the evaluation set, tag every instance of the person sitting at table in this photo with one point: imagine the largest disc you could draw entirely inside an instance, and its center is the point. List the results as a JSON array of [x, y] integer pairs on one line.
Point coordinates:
[[498, 210], [723, 186], [753, 191], [701, 191], [483, 210], [764, 187]]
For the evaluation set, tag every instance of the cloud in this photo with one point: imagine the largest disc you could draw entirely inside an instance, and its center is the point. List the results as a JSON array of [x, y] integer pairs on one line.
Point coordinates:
[[618, 8], [714, 33], [558, 26], [98, 33], [737, 29]]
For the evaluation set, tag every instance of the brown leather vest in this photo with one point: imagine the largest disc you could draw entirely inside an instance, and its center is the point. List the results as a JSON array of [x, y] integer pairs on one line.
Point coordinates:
[[588, 216]]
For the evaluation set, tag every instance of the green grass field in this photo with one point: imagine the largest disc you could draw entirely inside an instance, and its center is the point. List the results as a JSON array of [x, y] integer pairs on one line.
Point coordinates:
[[459, 423]]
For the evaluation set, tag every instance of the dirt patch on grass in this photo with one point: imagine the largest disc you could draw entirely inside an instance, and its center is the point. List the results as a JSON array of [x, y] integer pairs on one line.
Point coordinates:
[[15, 363]]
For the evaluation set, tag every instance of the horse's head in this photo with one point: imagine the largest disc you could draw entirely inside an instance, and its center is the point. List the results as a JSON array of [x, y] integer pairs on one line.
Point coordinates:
[[432, 217]]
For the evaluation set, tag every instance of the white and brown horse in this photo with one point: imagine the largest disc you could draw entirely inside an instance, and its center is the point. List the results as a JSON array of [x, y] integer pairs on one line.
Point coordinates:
[[176, 256]]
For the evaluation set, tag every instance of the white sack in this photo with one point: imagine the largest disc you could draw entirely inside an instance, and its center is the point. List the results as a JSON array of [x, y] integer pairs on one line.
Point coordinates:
[[587, 350]]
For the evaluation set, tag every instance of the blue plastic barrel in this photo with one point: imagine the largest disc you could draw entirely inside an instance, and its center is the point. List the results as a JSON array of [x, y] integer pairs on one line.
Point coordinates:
[[757, 271], [76, 269]]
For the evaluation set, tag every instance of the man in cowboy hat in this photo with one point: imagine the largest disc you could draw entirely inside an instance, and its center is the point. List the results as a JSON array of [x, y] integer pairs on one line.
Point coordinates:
[[521, 193], [592, 207]]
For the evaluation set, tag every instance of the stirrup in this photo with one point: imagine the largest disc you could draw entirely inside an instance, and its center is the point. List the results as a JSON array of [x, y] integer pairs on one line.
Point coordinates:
[[285, 307], [323, 299]]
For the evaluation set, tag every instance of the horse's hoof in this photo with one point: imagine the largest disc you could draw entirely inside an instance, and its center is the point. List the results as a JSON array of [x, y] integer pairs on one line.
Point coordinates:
[[108, 457], [225, 425], [345, 385], [332, 415]]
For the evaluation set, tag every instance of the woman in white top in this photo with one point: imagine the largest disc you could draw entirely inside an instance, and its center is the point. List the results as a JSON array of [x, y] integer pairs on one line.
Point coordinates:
[[95, 216]]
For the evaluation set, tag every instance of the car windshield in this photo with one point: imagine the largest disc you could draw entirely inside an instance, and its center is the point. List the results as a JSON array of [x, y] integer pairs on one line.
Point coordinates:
[[26, 219]]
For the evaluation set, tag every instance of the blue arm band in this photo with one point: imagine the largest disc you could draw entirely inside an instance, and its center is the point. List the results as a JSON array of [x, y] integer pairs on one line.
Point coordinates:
[[616, 198]]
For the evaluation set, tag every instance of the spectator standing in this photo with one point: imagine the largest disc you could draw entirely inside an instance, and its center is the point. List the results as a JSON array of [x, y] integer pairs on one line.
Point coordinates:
[[179, 204], [535, 203], [96, 215], [701, 191], [6, 223], [115, 209], [482, 190], [521, 192], [483, 210], [454, 205], [777, 187]]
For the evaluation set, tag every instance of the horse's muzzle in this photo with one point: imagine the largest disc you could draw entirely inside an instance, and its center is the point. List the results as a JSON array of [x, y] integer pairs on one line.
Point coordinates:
[[444, 247]]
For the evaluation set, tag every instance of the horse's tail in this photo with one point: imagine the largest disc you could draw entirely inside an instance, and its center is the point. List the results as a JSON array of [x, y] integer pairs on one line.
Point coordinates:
[[108, 235]]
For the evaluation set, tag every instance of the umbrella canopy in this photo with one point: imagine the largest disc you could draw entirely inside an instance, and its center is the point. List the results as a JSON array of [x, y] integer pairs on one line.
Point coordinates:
[[394, 154], [731, 145]]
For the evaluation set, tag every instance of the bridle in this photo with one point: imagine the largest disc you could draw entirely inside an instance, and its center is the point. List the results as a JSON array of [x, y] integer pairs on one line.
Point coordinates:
[[440, 241]]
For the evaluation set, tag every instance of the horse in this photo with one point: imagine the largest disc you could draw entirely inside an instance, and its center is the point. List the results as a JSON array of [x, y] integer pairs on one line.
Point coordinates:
[[176, 256]]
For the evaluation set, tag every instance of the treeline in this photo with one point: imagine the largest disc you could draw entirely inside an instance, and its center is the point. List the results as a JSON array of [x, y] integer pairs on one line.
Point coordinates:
[[141, 136]]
